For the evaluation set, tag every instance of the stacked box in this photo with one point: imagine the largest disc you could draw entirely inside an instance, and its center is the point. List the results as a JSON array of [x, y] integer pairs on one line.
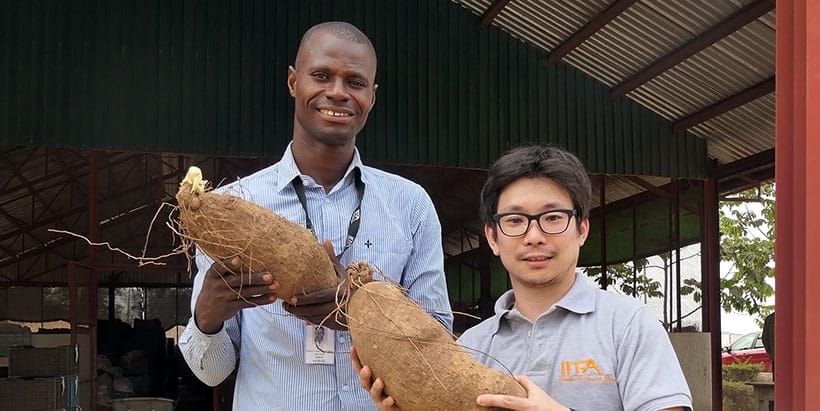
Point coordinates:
[[143, 404], [37, 394], [10, 339], [43, 362]]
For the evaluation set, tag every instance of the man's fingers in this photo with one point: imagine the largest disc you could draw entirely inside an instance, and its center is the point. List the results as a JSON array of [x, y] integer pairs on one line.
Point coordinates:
[[500, 401], [354, 358], [337, 266], [526, 382], [322, 295], [248, 302]]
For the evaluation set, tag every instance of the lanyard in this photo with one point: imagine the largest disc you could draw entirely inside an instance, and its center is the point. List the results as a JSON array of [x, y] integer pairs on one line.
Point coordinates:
[[355, 218]]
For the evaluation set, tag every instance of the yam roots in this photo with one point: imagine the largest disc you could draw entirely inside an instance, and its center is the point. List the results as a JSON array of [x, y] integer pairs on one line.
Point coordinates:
[[225, 226], [421, 366]]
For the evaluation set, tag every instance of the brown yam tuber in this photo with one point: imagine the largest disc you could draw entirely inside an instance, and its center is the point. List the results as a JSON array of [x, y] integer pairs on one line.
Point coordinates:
[[224, 226], [420, 364]]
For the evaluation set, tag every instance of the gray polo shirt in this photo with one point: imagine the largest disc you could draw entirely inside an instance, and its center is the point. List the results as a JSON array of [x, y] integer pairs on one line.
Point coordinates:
[[593, 350]]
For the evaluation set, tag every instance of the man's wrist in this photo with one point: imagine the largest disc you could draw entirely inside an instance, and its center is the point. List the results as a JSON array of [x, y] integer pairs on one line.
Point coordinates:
[[208, 331]]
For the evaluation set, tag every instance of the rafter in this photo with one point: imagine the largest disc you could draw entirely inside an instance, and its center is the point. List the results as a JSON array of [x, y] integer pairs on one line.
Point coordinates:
[[592, 27], [753, 162], [692, 208], [726, 27], [492, 11], [728, 104]]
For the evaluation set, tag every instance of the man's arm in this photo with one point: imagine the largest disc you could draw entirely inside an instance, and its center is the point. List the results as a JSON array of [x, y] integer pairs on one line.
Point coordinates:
[[649, 374], [211, 357], [209, 342], [423, 275]]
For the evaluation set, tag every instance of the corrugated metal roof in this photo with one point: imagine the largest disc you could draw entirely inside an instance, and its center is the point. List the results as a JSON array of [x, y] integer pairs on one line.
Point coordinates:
[[450, 94], [643, 34]]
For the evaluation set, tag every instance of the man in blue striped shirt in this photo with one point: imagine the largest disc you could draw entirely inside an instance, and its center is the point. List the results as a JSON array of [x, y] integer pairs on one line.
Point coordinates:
[[367, 214]]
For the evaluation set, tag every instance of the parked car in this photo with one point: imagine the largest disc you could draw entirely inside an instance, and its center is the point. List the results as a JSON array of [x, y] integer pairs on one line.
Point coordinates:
[[748, 348]]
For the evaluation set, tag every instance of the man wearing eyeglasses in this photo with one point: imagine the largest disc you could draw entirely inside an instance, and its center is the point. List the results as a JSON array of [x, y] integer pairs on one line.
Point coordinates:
[[572, 345]]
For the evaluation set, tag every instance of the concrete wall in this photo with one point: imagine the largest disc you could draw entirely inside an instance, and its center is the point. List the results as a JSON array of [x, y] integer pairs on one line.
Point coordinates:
[[693, 350]]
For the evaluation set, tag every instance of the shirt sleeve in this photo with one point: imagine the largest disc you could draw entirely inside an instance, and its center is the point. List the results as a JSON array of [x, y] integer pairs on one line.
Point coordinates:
[[211, 357], [650, 377], [423, 276]]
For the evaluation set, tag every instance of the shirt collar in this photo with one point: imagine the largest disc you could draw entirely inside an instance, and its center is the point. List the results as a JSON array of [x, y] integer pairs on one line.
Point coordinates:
[[288, 169], [580, 299]]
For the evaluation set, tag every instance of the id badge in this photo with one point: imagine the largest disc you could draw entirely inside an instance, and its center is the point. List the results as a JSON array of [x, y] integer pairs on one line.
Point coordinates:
[[319, 344]]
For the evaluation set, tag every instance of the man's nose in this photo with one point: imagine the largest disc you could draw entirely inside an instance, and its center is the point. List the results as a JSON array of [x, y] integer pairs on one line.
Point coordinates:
[[337, 90], [534, 233]]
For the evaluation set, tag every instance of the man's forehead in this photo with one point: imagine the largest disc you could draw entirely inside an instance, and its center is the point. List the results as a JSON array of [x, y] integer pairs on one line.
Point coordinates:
[[321, 40]]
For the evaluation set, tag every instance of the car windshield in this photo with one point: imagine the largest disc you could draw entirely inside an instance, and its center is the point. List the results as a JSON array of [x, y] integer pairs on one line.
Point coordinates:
[[746, 342]]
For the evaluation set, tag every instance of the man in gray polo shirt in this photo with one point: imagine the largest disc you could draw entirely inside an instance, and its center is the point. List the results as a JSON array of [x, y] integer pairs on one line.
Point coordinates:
[[577, 346], [572, 345]]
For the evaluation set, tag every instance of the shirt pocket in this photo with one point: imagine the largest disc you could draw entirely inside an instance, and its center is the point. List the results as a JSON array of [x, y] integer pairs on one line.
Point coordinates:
[[387, 256]]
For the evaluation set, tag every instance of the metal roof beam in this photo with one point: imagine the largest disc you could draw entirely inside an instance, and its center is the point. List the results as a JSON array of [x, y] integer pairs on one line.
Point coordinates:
[[728, 104], [592, 27], [726, 27], [744, 165], [492, 11], [692, 208]]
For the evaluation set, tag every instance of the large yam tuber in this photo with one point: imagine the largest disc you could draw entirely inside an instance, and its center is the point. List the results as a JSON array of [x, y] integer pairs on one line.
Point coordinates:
[[421, 366], [224, 226]]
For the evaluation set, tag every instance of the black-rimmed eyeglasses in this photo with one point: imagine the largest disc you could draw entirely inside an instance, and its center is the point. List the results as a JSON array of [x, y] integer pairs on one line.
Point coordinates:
[[550, 222]]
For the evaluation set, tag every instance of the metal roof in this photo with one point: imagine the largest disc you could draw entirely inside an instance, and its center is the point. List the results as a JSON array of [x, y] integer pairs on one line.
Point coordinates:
[[721, 93], [647, 31]]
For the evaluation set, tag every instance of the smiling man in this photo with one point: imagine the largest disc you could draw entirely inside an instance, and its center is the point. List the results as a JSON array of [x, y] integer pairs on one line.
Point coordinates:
[[574, 345], [282, 361]]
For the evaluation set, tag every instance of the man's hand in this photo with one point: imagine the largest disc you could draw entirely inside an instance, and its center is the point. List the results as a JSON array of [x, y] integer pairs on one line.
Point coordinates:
[[374, 386], [224, 293], [320, 306], [537, 399]]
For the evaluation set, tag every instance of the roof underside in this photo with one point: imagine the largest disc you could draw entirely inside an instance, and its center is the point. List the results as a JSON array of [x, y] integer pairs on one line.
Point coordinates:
[[670, 56], [707, 67]]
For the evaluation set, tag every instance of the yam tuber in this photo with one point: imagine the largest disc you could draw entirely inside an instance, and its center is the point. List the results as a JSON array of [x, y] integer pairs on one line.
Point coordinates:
[[420, 364], [224, 226]]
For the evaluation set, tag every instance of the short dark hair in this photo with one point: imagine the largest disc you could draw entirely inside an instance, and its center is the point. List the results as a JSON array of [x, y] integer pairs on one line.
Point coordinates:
[[537, 161], [338, 29]]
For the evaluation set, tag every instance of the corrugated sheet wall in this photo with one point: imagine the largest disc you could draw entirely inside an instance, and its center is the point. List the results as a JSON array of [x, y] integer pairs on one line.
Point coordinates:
[[208, 77]]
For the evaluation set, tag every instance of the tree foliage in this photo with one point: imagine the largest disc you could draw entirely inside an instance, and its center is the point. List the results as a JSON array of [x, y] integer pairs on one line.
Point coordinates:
[[629, 277], [747, 243]]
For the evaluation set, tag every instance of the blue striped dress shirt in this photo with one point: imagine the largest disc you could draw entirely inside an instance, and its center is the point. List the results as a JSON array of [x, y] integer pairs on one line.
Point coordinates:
[[400, 235]]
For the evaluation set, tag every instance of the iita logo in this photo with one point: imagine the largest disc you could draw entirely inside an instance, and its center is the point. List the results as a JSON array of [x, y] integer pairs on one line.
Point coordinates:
[[584, 371]]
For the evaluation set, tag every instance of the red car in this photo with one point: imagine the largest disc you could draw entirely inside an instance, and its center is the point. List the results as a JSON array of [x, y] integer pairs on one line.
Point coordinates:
[[748, 348]]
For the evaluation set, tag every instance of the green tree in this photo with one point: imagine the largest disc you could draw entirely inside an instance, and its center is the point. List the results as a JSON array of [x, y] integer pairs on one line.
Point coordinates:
[[747, 242], [629, 277]]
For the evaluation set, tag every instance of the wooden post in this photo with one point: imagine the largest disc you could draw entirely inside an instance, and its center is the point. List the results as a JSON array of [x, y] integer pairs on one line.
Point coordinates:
[[797, 221]]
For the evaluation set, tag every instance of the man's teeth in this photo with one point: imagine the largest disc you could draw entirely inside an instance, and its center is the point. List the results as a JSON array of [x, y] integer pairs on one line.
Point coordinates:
[[334, 113]]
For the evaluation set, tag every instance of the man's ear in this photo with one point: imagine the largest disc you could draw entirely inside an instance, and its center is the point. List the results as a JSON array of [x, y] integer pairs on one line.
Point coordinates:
[[583, 231], [292, 81], [373, 100], [490, 234]]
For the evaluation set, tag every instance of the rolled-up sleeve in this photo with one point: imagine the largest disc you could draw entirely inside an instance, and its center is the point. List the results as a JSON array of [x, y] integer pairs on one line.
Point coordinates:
[[211, 357]]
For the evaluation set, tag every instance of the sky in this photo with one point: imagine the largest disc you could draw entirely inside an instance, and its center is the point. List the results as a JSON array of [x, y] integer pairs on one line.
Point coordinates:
[[737, 323]]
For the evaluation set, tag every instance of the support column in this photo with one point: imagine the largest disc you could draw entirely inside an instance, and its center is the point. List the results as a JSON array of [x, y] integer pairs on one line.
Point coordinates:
[[797, 174]]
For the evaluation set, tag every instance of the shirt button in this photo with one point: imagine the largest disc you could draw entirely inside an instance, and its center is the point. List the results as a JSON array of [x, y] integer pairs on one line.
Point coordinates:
[[529, 333], [346, 388], [341, 339]]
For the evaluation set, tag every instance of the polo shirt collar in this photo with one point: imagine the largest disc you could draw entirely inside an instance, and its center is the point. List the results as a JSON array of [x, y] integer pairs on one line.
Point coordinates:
[[580, 299]]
